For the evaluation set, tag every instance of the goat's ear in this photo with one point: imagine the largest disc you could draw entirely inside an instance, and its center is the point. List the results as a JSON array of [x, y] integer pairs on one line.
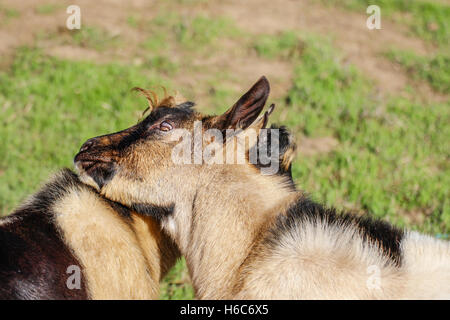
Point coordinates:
[[247, 108]]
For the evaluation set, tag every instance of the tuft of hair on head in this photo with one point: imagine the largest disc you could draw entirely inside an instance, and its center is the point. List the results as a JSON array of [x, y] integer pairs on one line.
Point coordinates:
[[288, 147], [154, 101]]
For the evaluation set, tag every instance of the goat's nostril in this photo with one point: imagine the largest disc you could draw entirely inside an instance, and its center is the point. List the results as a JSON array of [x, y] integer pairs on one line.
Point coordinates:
[[87, 145]]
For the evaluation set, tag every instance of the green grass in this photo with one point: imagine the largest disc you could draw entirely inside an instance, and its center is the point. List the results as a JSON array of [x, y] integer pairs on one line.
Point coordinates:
[[202, 31], [286, 45], [133, 21], [162, 63], [435, 70], [188, 32], [93, 37], [175, 285], [90, 37], [195, 36], [427, 19], [47, 8], [6, 14]]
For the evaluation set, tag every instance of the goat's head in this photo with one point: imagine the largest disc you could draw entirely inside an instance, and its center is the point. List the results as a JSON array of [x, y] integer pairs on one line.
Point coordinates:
[[136, 165]]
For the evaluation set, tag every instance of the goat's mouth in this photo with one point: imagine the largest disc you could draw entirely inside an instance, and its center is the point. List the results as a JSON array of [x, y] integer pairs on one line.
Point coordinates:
[[100, 169]]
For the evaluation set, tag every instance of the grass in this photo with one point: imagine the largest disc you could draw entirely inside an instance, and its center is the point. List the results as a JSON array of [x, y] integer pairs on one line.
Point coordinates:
[[93, 37], [195, 36], [392, 156], [202, 31], [90, 37], [47, 8], [6, 14], [187, 32], [427, 19], [285, 45], [176, 285], [133, 21]]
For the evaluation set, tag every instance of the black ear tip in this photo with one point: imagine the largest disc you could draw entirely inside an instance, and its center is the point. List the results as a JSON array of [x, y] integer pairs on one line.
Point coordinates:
[[263, 82]]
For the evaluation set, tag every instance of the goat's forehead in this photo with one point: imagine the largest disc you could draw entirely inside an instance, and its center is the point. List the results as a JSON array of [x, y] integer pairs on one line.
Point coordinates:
[[178, 112]]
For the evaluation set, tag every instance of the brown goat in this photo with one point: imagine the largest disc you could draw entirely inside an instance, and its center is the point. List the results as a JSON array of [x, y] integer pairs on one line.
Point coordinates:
[[245, 234]]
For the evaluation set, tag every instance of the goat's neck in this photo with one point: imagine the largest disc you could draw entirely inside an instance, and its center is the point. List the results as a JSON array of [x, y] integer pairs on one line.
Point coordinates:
[[158, 248]]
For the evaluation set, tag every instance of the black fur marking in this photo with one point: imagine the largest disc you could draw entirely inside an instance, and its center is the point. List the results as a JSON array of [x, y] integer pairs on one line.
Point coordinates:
[[284, 141], [380, 233], [140, 132], [103, 173], [33, 257], [188, 105], [174, 113], [119, 208], [157, 212]]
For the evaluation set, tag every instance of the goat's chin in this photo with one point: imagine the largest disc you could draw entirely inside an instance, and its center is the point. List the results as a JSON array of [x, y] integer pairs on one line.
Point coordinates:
[[95, 173], [87, 179]]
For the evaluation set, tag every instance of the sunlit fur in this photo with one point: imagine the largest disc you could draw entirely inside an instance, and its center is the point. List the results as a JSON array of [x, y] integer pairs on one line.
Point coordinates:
[[121, 255], [249, 236]]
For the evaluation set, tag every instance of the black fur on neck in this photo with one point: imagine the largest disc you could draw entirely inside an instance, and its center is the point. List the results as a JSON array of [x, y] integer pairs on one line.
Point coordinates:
[[376, 232], [154, 211]]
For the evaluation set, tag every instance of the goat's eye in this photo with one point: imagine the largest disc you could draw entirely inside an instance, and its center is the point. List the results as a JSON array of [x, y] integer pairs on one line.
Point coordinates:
[[165, 126]]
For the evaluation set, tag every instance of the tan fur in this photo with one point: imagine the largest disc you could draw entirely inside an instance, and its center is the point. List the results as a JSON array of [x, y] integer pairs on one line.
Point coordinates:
[[318, 262], [221, 193], [288, 156], [120, 259], [426, 266], [223, 211], [159, 250]]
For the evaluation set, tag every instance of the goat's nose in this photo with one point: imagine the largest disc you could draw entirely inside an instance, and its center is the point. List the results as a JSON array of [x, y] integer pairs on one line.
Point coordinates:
[[87, 145]]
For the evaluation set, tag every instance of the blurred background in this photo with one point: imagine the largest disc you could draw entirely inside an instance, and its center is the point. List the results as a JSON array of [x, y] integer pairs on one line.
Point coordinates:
[[369, 108]]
